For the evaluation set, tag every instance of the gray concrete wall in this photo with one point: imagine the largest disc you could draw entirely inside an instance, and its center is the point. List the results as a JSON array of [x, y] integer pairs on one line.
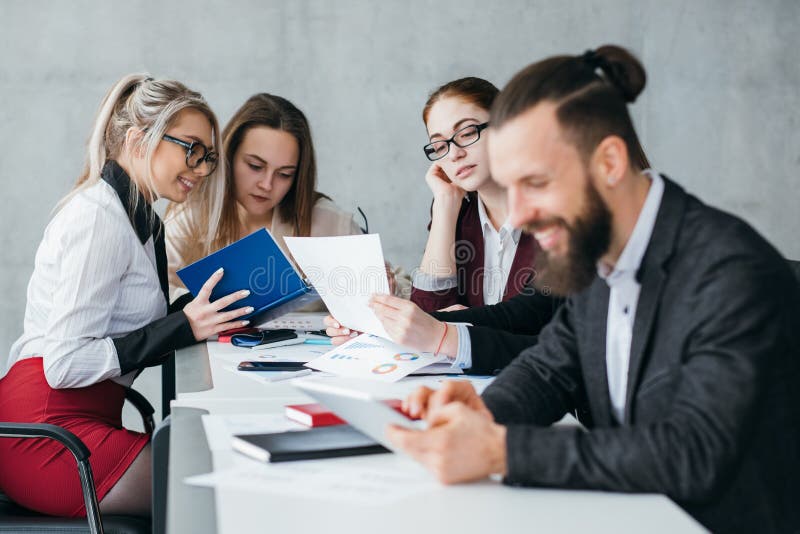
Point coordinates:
[[720, 114]]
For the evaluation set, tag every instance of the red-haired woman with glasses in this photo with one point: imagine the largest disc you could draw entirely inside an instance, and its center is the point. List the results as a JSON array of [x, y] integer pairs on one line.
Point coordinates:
[[473, 256]]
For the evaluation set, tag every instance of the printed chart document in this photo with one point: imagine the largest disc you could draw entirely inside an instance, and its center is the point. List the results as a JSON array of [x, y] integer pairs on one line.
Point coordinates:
[[345, 271], [374, 358]]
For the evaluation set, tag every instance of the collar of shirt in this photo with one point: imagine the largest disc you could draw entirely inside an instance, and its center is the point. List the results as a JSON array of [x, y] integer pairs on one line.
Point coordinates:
[[505, 230], [143, 219], [632, 254]]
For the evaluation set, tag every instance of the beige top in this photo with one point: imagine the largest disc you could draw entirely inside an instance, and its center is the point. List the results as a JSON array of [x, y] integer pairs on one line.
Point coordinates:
[[327, 219]]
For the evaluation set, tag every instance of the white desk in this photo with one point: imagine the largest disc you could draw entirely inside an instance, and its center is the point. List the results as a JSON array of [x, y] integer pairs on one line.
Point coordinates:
[[470, 508]]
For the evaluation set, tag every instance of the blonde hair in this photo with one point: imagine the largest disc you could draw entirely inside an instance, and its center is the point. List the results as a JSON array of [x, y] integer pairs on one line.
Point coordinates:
[[152, 106], [296, 207]]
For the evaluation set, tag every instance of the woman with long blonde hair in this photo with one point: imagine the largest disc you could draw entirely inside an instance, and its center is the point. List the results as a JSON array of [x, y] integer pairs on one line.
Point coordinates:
[[97, 311]]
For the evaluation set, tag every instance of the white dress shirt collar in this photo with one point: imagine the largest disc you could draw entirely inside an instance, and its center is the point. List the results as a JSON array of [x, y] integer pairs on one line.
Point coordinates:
[[487, 226], [631, 258]]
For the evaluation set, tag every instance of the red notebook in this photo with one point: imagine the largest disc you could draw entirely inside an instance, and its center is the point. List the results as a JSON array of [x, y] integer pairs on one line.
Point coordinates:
[[315, 414]]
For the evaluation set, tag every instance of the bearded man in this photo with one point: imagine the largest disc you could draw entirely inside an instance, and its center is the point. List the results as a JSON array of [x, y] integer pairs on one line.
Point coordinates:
[[677, 345]]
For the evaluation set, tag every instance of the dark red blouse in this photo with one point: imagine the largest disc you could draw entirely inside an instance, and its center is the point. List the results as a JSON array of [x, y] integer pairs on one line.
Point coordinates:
[[469, 254]]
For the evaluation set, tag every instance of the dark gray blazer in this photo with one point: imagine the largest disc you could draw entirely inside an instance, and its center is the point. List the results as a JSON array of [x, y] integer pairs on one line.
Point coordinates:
[[713, 411], [501, 331]]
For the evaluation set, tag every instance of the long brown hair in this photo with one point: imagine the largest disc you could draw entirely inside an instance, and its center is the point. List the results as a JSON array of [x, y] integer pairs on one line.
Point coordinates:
[[296, 207], [591, 91], [275, 112]]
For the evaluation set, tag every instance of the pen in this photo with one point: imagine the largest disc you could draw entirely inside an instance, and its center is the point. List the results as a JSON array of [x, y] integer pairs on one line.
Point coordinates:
[[318, 342]]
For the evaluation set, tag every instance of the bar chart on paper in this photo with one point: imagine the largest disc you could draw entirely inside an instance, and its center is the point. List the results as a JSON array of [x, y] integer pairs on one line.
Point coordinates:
[[373, 358]]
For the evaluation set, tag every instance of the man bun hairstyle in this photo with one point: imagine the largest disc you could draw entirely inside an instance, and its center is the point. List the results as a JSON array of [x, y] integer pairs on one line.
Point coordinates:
[[591, 92]]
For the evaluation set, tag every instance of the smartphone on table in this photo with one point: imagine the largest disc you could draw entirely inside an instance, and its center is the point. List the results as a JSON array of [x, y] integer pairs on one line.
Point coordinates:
[[272, 366], [266, 339]]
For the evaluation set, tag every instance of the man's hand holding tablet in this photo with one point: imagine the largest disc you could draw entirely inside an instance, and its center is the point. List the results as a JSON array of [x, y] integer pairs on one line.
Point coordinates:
[[462, 441]]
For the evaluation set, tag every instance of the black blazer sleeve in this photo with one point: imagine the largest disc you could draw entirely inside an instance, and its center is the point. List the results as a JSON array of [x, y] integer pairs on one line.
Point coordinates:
[[181, 302], [544, 382], [152, 344], [501, 331], [741, 331]]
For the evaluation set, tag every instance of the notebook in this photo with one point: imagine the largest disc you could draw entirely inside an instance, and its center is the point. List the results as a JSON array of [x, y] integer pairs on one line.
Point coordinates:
[[316, 414], [313, 415], [312, 444], [257, 263]]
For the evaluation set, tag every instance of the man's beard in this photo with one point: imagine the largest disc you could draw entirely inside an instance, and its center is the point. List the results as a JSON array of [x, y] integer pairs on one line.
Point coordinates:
[[589, 238]]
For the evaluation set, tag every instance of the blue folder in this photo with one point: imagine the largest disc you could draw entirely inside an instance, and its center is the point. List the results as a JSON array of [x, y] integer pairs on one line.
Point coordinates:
[[257, 263]]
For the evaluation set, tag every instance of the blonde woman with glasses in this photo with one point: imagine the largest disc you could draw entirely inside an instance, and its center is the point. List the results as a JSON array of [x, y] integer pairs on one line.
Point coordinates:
[[97, 309]]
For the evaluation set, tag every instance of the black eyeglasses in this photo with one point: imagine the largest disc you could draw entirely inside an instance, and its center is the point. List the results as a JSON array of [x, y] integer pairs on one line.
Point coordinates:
[[196, 153], [468, 135]]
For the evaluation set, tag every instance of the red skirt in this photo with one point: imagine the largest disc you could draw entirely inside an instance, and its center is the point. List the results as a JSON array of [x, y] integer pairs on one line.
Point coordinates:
[[39, 473]]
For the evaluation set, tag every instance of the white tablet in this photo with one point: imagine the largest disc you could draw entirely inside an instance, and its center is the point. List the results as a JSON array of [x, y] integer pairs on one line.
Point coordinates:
[[360, 409]]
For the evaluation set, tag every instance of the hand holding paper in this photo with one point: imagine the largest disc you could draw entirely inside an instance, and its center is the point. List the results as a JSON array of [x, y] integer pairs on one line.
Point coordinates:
[[408, 325], [346, 271]]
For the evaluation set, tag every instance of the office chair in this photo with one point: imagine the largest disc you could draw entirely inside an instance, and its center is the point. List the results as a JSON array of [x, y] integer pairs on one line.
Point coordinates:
[[15, 519], [795, 266]]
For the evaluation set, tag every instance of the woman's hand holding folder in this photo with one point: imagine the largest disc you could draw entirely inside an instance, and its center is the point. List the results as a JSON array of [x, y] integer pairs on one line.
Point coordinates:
[[205, 317]]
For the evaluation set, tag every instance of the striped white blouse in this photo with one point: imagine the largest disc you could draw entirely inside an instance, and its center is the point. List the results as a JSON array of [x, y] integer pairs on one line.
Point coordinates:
[[95, 304]]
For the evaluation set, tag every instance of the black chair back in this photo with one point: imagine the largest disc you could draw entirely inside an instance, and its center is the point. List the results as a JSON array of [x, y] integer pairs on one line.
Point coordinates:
[[795, 266]]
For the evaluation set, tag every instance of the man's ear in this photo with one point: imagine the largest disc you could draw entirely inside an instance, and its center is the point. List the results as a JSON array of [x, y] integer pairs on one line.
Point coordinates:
[[610, 161], [133, 142]]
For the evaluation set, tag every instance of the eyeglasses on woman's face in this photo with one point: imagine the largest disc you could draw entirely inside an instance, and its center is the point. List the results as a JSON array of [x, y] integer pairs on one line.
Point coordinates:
[[196, 154], [466, 136]]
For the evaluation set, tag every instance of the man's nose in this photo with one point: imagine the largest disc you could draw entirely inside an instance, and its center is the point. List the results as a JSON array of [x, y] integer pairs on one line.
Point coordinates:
[[520, 212]]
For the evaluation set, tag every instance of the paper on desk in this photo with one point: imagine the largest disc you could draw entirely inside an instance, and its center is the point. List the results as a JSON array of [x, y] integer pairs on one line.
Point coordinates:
[[438, 368], [346, 271], [302, 352], [270, 377], [373, 358], [221, 428], [378, 479]]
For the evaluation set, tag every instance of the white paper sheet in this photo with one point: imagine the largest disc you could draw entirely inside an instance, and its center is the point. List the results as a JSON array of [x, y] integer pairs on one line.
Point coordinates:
[[346, 271], [270, 377], [411, 383], [291, 353], [221, 428], [373, 358], [373, 480], [439, 368]]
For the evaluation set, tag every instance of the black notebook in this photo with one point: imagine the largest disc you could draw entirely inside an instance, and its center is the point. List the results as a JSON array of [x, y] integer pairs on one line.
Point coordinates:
[[321, 442]]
